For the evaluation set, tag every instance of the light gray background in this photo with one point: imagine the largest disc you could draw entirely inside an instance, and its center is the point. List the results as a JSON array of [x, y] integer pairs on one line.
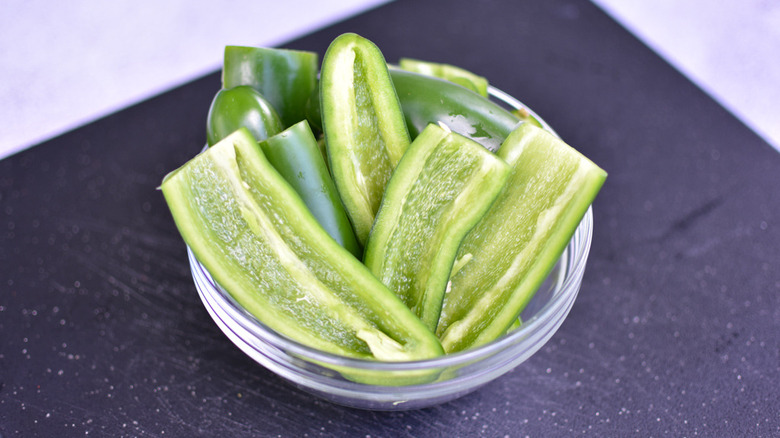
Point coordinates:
[[64, 64]]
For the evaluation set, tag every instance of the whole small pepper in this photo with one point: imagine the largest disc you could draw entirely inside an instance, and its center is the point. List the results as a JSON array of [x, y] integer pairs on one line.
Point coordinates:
[[241, 107]]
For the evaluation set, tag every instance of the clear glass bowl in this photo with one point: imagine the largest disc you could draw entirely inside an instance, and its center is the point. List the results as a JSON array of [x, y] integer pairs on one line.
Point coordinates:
[[448, 377]]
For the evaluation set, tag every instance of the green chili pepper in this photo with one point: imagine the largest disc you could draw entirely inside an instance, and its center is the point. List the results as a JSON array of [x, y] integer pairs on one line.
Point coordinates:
[[363, 124], [510, 252], [238, 107], [313, 110], [295, 154], [285, 77], [426, 99], [255, 236], [448, 72], [439, 190]]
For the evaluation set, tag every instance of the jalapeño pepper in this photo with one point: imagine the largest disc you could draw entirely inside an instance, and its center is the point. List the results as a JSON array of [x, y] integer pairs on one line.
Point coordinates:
[[427, 99], [363, 125], [509, 253], [295, 154], [255, 236], [239, 107], [448, 72], [440, 189]]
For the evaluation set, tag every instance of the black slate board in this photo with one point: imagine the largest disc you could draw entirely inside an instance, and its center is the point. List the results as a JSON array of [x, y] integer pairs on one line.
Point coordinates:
[[675, 331]]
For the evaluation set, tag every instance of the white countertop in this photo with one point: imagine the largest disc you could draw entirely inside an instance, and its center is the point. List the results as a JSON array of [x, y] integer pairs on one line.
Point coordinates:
[[65, 64]]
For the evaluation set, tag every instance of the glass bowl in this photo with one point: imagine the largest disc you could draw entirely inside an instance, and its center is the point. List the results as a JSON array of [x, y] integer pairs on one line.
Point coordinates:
[[332, 377]]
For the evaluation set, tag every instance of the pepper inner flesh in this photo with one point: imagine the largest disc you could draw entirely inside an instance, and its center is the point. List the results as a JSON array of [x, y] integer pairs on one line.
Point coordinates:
[[256, 237], [370, 157], [512, 249], [424, 209]]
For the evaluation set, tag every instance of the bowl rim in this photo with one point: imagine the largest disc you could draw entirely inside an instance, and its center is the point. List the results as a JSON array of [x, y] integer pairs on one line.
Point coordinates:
[[573, 258]]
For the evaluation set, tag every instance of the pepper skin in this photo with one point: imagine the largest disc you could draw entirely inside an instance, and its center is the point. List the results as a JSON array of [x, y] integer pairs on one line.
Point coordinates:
[[509, 253], [295, 154], [426, 99], [239, 107], [440, 189], [448, 72], [286, 78], [364, 128]]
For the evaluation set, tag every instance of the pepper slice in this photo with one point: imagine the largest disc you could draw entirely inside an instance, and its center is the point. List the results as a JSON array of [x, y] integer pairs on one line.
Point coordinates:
[[239, 107], [297, 157], [460, 76], [442, 186], [426, 99], [285, 77], [510, 252], [252, 232], [363, 124]]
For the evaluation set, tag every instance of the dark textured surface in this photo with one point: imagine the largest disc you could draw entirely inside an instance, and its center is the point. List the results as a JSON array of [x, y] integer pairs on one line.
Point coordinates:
[[675, 331]]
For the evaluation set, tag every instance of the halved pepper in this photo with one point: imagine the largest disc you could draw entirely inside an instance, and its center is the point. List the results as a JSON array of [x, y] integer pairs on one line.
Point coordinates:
[[285, 77], [363, 124], [297, 157], [442, 186], [255, 236], [509, 253], [460, 76]]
